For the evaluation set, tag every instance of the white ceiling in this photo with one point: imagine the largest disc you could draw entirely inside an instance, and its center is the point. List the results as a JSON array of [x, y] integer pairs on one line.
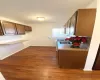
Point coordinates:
[[27, 10]]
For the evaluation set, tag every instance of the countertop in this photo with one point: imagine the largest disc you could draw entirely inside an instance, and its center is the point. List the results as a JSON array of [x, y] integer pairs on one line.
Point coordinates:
[[83, 47]]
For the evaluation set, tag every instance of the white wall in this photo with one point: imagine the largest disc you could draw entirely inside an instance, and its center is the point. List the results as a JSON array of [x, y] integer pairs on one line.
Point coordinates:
[[95, 41], [93, 4], [41, 34]]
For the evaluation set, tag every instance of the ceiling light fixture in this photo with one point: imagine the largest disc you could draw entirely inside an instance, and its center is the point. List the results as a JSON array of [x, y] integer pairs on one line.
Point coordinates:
[[41, 18]]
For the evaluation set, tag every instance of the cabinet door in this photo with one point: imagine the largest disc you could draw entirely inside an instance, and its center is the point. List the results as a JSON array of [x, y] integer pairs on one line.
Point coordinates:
[[28, 28], [72, 59], [73, 24], [8, 28], [68, 27], [1, 30], [85, 22], [20, 29], [71, 28]]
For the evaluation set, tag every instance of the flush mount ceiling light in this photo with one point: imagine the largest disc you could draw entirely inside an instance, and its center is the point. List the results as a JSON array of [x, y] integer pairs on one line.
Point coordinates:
[[40, 18]]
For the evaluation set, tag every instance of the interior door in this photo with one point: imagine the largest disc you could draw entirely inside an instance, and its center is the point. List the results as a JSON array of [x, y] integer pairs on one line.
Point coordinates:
[[8, 28], [96, 65], [20, 29]]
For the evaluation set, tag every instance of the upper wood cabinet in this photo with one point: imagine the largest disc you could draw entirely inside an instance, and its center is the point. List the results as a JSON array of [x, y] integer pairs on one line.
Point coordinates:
[[28, 28], [20, 29], [85, 22], [82, 22], [72, 25], [67, 27], [1, 30], [8, 28]]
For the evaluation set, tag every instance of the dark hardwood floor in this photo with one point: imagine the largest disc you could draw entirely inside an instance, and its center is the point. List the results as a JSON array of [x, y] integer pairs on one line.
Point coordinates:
[[39, 63]]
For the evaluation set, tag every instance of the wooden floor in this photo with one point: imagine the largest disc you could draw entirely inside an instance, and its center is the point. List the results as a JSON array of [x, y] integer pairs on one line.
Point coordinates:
[[39, 63]]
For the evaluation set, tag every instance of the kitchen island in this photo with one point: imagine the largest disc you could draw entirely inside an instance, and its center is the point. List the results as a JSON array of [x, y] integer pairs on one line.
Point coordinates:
[[71, 58]]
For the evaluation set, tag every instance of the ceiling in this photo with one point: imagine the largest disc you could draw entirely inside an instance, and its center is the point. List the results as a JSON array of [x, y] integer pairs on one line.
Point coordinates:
[[53, 10]]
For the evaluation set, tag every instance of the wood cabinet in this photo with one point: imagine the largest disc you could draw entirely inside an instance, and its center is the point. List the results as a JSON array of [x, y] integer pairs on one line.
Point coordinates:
[[85, 22], [28, 28], [1, 30], [82, 22], [72, 24], [67, 27], [20, 29], [72, 59], [8, 28]]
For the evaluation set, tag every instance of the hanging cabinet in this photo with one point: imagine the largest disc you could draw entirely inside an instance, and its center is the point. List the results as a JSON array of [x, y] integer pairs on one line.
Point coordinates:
[[10, 28], [82, 22]]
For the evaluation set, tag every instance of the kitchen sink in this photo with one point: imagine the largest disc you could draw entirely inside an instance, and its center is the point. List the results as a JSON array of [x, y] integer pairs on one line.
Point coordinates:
[[65, 42]]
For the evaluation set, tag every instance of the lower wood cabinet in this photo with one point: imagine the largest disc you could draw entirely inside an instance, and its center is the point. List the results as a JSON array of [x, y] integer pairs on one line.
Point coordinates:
[[71, 59], [20, 29]]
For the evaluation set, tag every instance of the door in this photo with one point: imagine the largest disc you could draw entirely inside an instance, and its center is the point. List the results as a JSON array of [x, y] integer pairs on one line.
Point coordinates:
[[20, 29], [96, 65], [9, 28]]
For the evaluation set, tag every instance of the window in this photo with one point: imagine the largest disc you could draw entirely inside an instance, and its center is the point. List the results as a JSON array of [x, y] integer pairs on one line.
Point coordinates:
[[58, 32]]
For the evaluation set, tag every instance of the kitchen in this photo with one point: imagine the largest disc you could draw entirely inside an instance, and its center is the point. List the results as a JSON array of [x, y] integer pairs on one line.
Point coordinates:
[[80, 25], [40, 59]]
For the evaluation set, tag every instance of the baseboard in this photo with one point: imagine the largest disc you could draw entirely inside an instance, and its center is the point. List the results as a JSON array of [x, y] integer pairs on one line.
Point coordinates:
[[22, 49], [87, 69], [12, 53], [42, 46]]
